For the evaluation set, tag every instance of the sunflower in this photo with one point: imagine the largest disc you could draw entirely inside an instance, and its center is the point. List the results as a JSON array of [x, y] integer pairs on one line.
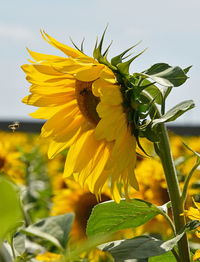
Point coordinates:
[[194, 214], [10, 163], [49, 257], [82, 102], [73, 198]]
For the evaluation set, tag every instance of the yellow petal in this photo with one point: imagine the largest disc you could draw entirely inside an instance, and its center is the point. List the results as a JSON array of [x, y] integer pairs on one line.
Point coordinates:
[[110, 127], [90, 163], [196, 255], [115, 192], [55, 148], [99, 168], [124, 152], [58, 146], [197, 206], [46, 69], [108, 75], [109, 94], [70, 131], [60, 120], [40, 57], [74, 151], [50, 90], [45, 113], [69, 51], [48, 101], [91, 146], [90, 73]]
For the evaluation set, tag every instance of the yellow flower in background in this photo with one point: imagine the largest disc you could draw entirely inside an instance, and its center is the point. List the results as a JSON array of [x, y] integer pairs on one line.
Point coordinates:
[[74, 198], [10, 163], [48, 257], [153, 189], [82, 103], [194, 214]]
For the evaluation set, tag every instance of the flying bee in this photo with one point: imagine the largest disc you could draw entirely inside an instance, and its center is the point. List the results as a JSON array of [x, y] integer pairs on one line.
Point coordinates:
[[14, 126]]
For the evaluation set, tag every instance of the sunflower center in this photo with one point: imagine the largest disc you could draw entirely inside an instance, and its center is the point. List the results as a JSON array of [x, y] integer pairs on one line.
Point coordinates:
[[2, 162], [87, 102], [84, 207]]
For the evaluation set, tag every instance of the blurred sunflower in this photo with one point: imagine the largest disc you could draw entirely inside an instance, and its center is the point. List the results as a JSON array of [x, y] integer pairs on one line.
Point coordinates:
[[153, 189], [49, 257], [194, 214], [83, 104], [73, 198], [10, 163]]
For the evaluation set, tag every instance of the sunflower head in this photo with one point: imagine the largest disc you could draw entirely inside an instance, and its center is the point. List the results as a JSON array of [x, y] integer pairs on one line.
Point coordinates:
[[94, 108]]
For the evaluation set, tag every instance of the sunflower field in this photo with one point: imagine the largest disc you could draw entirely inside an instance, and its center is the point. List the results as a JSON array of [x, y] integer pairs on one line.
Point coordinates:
[[45, 215], [104, 180]]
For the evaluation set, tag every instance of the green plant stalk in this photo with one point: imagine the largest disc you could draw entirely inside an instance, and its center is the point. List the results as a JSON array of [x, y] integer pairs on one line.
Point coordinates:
[[174, 190]]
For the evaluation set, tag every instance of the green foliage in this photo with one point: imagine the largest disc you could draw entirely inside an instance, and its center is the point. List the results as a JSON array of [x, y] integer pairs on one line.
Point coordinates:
[[166, 75], [124, 67], [135, 248], [174, 112], [119, 58], [166, 257], [110, 217], [10, 208], [53, 229], [37, 195], [140, 247]]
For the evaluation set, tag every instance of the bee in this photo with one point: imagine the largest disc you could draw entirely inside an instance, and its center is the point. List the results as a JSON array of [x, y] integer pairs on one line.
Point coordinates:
[[14, 126]]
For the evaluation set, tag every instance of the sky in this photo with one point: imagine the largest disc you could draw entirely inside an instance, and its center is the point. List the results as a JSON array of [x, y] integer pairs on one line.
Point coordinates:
[[169, 29]]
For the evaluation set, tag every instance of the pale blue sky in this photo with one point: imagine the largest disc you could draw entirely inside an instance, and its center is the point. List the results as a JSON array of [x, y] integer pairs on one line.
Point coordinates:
[[170, 29]]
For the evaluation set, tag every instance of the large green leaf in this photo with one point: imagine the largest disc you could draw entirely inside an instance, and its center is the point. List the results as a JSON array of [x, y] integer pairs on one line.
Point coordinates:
[[5, 254], [54, 229], [157, 68], [174, 112], [166, 75], [110, 217], [140, 247], [10, 209]]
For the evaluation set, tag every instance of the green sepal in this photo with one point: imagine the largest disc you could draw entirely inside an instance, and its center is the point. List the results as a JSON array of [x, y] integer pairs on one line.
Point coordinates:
[[98, 49], [118, 59], [124, 67], [150, 134], [79, 49]]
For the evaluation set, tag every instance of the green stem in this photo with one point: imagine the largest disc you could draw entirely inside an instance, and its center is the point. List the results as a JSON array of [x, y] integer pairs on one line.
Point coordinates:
[[13, 249], [169, 221], [174, 190], [176, 255], [187, 180]]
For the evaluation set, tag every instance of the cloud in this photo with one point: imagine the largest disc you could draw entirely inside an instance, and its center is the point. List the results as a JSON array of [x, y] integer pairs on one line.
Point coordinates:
[[14, 32]]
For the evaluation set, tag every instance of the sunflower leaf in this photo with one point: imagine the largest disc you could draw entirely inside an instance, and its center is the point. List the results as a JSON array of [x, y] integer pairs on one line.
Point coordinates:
[[174, 112], [167, 75], [53, 229], [186, 70], [109, 217], [10, 208], [140, 247]]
